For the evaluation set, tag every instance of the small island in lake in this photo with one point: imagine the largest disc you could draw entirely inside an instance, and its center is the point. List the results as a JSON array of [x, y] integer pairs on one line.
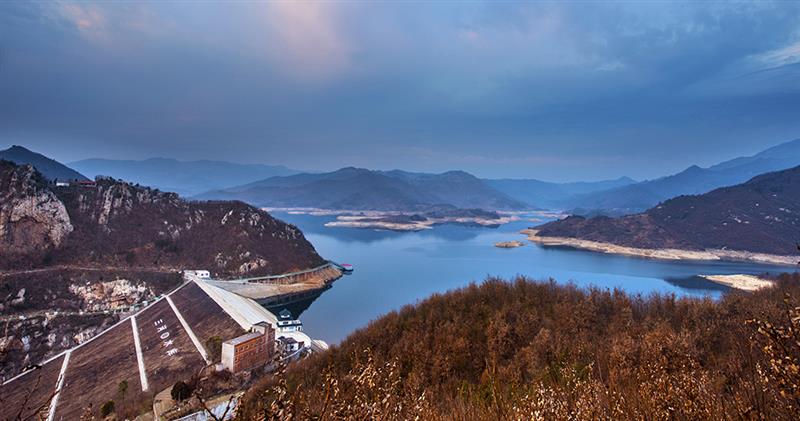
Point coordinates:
[[400, 221], [509, 244]]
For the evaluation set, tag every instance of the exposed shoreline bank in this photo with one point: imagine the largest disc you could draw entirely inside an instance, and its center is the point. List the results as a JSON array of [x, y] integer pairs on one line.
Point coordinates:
[[664, 254], [509, 244], [742, 282]]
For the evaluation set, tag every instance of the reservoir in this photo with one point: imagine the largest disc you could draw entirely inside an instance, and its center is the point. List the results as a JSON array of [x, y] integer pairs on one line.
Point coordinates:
[[393, 269]]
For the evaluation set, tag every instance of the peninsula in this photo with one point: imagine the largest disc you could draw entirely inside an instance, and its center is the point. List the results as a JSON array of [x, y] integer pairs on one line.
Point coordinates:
[[757, 221], [748, 283], [656, 253]]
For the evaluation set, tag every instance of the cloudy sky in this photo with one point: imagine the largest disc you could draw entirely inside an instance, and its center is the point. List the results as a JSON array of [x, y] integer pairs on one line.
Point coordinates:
[[552, 90]]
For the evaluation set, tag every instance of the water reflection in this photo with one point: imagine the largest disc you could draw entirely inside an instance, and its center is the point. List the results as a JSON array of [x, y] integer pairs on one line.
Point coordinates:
[[296, 307], [697, 283]]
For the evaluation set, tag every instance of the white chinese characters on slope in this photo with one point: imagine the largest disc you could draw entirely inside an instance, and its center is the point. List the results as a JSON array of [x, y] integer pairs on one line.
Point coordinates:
[[167, 343]]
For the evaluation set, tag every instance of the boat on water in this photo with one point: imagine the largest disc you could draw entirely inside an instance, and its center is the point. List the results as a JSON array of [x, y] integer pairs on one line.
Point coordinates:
[[346, 268]]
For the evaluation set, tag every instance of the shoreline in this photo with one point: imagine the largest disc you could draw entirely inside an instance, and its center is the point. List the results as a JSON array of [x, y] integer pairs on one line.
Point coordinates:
[[741, 282], [662, 254], [509, 244], [381, 220], [375, 223]]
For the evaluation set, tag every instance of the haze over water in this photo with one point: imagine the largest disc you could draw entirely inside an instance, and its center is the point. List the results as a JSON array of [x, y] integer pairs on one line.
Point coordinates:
[[393, 269]]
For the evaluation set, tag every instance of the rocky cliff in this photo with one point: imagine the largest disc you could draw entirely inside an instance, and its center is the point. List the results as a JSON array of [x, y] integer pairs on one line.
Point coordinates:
[[32, 219], [114, 223]]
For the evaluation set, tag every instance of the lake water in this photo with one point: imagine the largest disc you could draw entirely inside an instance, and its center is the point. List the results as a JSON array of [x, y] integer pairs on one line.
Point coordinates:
[[394, 268]]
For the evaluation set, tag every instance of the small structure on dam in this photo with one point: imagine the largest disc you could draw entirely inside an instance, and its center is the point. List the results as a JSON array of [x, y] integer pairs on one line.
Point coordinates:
[[250, 350], [287, 323]]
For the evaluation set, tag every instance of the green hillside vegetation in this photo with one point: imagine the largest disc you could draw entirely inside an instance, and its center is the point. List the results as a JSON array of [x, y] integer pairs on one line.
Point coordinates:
[[539, 350]]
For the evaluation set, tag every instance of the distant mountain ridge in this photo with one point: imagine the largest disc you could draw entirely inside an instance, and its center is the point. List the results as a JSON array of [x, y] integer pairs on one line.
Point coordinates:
[[694, 180], [186, 178], [552, 195], [362, 189], [355, 188], [49, 168], [761, 215]]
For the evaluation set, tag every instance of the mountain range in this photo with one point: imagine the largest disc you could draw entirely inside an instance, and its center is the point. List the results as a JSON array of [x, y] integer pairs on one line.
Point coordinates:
[[49, 168], [352, 188], [362, 189], [636, 197], [552, 195], [186, 178], [761, 215]]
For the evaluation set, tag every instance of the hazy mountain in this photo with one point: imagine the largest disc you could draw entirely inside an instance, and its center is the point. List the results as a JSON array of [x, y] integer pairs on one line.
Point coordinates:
[[183, 177], [362, 189], [761, 215], [693, 180], [118, 224], [49, 168], [551, 195], [458, 188]]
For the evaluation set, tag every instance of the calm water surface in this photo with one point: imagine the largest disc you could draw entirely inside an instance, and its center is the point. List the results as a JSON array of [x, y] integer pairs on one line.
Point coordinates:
[[393, 269]]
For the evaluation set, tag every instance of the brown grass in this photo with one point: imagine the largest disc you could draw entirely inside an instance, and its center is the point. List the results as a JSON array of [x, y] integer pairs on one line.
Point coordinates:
[[538, 350]]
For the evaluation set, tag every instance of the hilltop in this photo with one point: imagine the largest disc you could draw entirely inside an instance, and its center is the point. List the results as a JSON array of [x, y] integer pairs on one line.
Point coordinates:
[[759, 216], [637, 197], [49, 168], [186, 178]]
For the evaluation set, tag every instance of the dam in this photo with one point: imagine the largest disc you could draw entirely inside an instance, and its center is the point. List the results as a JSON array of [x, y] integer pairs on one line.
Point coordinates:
[[154, 347], [283, 290]]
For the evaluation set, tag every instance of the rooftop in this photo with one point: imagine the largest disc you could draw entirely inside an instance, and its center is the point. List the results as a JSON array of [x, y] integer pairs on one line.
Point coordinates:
[[244, 338]]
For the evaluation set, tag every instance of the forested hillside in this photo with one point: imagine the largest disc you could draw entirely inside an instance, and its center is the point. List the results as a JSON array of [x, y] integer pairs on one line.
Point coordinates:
[[118, 224], [539, 350], [761, 215]]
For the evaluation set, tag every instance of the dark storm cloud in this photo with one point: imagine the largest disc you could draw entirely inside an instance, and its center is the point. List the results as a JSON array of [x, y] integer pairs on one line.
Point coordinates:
[[551, 90]]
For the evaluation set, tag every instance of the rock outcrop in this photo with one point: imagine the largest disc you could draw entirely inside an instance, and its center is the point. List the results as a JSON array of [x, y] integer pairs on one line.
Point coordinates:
[[32, 218], [119, 224]]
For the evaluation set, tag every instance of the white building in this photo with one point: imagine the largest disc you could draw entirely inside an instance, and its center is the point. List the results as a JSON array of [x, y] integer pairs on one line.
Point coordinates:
[[200, 274], [288, 324], [290, 344]]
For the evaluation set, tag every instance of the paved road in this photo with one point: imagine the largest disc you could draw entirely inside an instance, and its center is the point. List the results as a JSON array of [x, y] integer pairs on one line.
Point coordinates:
[[284, 275], [86, 268], [60, 313]]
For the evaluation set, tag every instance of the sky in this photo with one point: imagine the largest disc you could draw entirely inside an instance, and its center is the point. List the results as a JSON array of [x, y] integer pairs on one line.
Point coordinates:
[[560, 91]]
